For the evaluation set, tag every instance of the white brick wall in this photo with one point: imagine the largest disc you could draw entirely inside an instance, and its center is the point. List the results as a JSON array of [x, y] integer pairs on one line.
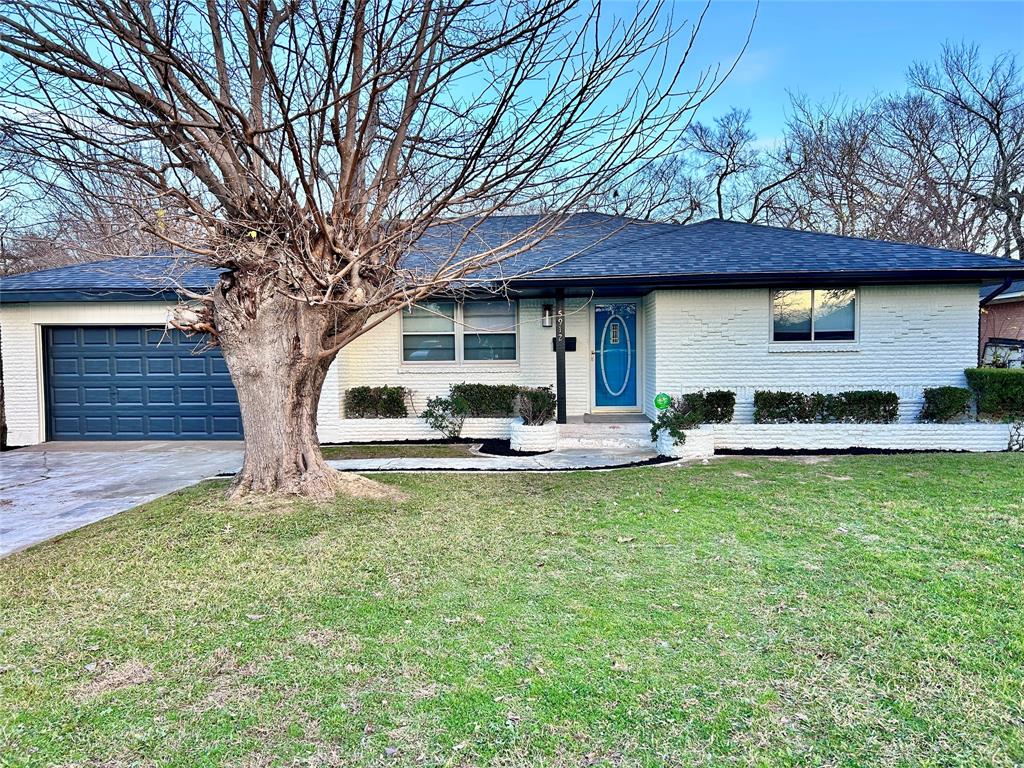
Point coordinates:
[[649, 386], [908, 338], [375, 359], [912, 437]]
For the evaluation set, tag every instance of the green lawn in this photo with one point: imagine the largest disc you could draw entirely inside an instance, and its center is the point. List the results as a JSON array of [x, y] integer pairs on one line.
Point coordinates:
[[399, 451], [853, 611]]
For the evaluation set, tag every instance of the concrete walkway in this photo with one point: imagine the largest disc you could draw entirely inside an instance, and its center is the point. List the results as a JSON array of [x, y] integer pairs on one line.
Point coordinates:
[[591, 458], [50, 489]]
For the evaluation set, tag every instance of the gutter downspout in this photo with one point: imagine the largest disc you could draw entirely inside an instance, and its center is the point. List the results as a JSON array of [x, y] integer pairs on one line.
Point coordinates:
[[1007, 282]]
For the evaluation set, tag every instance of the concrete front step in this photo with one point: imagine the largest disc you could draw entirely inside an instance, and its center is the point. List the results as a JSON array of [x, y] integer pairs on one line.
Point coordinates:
[[604, 435]]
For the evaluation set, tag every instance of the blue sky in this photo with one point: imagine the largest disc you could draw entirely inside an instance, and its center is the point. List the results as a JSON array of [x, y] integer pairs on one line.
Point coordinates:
[[851, 48]]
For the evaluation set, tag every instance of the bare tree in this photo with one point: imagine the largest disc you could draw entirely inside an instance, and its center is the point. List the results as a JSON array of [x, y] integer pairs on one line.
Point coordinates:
[[941, 164], [718, 170], [306, 149], [987, 103]]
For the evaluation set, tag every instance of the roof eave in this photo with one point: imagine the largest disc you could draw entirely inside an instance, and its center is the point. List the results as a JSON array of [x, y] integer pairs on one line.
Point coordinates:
[[23, 296], [860, 277]]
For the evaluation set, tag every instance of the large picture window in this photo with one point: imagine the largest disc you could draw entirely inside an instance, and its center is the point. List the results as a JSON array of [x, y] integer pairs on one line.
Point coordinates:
[[475, 331], [821, 314]]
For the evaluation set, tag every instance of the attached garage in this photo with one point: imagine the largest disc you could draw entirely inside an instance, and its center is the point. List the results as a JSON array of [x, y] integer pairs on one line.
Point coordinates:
[[133, 382]]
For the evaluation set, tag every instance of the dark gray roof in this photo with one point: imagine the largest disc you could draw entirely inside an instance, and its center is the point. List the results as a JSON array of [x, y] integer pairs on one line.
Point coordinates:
[[1015, 291], [586, 249], [111, 280], [591, 247]]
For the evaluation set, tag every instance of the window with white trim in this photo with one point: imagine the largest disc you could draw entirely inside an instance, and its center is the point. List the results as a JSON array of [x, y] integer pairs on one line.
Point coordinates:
[[820, 314], [470, 332], [428, 332]]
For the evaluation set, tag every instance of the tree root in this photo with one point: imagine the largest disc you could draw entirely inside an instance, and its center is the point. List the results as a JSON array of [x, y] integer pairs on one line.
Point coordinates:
[[321, 484]]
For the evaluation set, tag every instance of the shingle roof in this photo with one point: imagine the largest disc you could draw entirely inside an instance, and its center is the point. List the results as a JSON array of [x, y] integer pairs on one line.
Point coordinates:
[[594, 246], [587, 249], [1015, 291], [112, 280]]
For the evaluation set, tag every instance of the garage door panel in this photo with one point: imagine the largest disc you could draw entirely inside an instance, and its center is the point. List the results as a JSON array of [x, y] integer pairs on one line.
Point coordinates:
[[133, 382]]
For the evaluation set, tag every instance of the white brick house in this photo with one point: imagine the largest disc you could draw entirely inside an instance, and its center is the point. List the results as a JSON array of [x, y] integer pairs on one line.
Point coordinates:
[[655, 308]]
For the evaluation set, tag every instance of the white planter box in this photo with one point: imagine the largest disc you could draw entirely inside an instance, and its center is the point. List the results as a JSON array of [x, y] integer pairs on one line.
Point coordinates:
[[524, 438], [700, 444], [398, 430], [916, 437]]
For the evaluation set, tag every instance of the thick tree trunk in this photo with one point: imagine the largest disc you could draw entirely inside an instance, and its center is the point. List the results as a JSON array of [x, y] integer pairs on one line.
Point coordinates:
[[275, 364]]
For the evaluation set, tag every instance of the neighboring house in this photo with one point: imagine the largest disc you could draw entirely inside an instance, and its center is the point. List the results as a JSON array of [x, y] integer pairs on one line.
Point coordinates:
[[648, 308], [1002, 323]]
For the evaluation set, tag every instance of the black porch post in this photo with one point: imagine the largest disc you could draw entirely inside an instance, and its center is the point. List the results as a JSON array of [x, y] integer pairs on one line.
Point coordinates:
[[560, 353]]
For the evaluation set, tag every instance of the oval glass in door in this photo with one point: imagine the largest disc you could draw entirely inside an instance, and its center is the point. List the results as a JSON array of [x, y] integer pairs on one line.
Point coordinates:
[[615, 355]]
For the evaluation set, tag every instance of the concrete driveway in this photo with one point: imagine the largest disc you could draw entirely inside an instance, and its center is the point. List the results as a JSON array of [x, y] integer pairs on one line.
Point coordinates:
[[53, 488]]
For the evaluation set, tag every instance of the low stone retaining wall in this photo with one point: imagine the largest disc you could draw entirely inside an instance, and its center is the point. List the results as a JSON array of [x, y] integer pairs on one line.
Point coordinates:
[[702, 443], [913, 437], [399, 430]]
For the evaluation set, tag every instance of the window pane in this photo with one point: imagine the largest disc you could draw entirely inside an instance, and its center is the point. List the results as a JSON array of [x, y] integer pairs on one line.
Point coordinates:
[[834, 314], [791, 315], [426, 348], [489, 346], [429, 317], [489, 316]]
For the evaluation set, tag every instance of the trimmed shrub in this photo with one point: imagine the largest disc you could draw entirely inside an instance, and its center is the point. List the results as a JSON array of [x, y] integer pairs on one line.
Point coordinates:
[[376, 403], [693, 409], [719, 406], [865, 406], [536, 406], [945, 404], [445, 415], [1000, 391], [487, 400], [780, 407], [684, 413]]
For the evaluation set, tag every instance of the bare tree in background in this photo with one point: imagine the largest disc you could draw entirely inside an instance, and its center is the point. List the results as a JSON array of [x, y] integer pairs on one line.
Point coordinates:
[[941, 164], [986, 102], [717, 171], [306, 149]]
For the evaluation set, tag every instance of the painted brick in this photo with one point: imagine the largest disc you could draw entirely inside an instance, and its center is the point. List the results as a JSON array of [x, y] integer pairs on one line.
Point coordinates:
[[909, 338]]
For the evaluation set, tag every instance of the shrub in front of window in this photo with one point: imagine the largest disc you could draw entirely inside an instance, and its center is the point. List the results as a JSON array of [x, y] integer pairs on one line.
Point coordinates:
[[868, 406], [780, 407], [719, 406], [445, 415], [376, 403], [536, 405], [945, 404], [1000, 391], [693, 409], [487, 400]]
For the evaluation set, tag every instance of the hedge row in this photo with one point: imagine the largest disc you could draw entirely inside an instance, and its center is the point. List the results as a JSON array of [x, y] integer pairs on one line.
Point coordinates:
[[376, 403], [866, 406], [692, 410], [486, 400], [999, 391], [945, 404]]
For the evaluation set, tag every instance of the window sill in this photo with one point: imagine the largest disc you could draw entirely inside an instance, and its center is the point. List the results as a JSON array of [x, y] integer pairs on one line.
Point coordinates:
[[435, 368], [813, 346]]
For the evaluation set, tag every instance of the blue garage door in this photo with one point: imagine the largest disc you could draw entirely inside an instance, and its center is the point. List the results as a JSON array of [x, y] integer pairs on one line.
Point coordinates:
[[136, 383]]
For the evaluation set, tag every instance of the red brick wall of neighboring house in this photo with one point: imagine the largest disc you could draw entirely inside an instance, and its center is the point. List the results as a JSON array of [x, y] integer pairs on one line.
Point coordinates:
[[1002, 321]]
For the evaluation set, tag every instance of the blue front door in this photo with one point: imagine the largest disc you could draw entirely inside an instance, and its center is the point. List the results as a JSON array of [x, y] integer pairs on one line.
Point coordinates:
[[615, 355]]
